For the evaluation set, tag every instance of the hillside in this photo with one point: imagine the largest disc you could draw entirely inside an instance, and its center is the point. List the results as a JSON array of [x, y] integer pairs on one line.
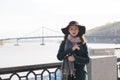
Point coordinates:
[[108, 33]]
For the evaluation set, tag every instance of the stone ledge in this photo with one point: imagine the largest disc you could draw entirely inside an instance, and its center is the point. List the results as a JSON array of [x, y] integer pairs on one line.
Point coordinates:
[[102, 68], [100, 51]]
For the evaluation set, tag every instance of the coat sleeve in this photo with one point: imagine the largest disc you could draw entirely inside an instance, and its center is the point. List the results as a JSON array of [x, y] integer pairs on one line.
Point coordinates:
[[85, 58], [63, 53]]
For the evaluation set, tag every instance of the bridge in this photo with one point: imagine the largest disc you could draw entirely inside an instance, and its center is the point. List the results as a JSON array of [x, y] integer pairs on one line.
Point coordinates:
[[51, 33]]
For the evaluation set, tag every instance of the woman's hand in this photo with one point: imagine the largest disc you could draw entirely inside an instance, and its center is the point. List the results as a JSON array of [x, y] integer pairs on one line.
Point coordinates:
[[75, 47], [71, 58]]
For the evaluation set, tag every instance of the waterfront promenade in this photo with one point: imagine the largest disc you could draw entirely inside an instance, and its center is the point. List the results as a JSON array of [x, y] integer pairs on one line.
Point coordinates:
[[35, 60]]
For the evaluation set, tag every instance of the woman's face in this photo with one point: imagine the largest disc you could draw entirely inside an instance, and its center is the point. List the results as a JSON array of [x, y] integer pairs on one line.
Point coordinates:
[[73, 30]]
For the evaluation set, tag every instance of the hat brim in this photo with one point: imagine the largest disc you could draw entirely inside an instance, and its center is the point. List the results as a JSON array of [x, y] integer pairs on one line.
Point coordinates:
[[65, 30], [82, 30]]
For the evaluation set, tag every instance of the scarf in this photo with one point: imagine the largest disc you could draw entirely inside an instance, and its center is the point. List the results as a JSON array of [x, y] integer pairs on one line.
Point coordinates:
[[68, 67]]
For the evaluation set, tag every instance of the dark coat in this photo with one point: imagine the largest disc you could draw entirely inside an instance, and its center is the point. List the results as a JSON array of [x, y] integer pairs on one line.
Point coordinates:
[[81, 58]]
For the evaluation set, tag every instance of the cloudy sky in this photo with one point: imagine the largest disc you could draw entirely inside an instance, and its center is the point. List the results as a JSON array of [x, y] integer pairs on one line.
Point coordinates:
[[27, 17]]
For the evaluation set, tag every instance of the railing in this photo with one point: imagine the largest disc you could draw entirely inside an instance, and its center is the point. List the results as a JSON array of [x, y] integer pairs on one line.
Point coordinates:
[[31, 72], [37, 72], [118, 69], [118, 63]]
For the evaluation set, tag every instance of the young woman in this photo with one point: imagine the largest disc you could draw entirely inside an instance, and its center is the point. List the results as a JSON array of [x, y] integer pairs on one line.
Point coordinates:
[[73, 51]]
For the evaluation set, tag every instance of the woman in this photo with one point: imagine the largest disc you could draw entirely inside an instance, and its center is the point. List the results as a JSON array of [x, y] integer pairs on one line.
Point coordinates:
[[73, 51]]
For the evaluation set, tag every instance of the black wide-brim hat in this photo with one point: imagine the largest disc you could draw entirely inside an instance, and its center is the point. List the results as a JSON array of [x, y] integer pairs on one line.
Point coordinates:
[[82, 29]]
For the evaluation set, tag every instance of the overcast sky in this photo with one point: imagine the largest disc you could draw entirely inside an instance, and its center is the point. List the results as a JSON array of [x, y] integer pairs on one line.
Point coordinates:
[[26, 17]]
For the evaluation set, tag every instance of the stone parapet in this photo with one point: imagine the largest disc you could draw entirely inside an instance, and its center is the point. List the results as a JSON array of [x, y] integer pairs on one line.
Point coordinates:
[[101, 51], [102, 68]]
